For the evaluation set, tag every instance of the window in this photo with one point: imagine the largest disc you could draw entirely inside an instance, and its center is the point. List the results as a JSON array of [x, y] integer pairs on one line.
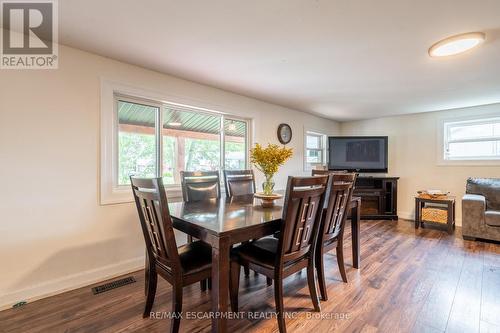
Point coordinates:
[[471, 140], [235, 146], [136, 141], [146, 137], [191, 142], [160, 139], [315, 150]]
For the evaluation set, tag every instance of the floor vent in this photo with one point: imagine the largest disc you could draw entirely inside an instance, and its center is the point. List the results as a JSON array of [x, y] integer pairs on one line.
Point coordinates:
[[113, 285]]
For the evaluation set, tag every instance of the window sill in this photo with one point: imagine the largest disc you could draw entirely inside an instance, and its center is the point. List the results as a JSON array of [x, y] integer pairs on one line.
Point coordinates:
[[123, 194], [484, 163]]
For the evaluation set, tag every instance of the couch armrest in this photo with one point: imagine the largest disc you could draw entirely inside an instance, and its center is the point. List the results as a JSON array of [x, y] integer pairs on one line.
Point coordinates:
[[478, 199], [473, 208]]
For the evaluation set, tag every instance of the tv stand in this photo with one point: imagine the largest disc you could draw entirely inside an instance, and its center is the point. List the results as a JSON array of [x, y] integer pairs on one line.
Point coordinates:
[[378, 197]]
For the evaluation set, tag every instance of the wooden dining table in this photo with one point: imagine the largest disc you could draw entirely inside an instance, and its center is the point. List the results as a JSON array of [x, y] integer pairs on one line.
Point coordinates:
[[228, 221]]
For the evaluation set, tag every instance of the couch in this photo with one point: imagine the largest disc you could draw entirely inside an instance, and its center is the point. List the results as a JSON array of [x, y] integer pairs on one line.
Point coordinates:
[[481, 209]]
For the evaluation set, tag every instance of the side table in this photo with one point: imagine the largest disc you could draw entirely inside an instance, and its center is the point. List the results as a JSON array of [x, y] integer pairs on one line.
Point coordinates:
[[446, 204]]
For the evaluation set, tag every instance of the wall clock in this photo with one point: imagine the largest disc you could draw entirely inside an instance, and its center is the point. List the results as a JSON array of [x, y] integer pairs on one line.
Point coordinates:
[[284, 133]]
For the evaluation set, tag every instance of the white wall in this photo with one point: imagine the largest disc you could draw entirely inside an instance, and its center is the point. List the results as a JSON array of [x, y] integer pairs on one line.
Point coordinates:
[[54, 235], [413, 144]]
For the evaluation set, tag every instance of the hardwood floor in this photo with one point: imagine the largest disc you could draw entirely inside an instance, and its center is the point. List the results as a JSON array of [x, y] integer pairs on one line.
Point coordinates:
[[410, 281]]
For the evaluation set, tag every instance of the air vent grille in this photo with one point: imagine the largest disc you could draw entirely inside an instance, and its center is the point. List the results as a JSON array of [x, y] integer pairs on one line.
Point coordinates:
[[113, 285]]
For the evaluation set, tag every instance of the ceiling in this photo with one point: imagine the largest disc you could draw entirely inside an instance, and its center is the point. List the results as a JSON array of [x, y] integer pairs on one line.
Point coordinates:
[[341, 59]]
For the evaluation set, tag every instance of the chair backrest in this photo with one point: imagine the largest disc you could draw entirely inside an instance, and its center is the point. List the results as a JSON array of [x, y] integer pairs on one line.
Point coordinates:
[[239, 182], [340, 176], [326, 172], [315, 172], [152, 206], [304, 200], [200, 185], [336, 206]]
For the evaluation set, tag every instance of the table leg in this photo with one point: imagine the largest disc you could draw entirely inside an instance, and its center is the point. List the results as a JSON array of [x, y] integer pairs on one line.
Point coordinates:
[[220, 284], [417, 214], [355, 220], [450, 218]]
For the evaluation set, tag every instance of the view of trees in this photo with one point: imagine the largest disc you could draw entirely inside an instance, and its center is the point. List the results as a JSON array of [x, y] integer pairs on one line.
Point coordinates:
[[137, 156]]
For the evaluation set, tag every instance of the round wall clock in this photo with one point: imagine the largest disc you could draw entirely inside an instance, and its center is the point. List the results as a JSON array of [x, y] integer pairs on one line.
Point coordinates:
[[284, 133]]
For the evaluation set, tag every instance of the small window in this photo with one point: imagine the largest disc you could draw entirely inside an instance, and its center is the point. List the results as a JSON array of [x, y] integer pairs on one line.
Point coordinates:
[[472, 140], [315, 150]]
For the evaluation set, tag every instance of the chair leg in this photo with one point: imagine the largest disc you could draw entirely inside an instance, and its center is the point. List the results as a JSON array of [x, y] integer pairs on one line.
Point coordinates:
[[340, 259], [176, 308], [312, 285], [278, 299], [234, 285], [269, 281], [146, 274], [203, 285], [247, 270], [151, 292], [320, 269]]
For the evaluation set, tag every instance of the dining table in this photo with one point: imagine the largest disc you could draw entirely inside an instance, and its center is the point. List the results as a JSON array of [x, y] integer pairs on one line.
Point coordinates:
[[225, 222]]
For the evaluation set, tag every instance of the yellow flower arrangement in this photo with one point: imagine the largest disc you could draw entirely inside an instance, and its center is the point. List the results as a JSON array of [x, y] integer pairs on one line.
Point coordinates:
[[268, 160]]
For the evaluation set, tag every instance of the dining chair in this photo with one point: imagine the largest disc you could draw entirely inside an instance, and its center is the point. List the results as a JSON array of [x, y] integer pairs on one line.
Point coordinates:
[[239, 182], [199, 186], [179, 266], [293, 250], [333, 219]]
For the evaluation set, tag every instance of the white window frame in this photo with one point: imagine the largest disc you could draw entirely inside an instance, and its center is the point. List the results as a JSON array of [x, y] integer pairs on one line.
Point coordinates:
[[444, 126], [323, 149], [134, 100], [111, 92]]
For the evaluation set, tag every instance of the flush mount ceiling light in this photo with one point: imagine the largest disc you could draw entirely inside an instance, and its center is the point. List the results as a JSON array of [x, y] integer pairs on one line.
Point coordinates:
[[174, 120], [232, 126], [456, 44]]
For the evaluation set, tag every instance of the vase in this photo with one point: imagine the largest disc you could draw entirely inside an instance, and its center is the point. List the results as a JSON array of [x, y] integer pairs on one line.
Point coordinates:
[[268, 185]]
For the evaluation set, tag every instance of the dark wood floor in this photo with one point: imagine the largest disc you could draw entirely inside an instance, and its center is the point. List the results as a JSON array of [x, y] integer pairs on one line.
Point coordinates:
[[409, 281]]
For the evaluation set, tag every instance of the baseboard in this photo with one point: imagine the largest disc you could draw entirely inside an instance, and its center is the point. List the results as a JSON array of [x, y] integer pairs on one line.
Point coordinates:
[[70, 282], [406, 216]]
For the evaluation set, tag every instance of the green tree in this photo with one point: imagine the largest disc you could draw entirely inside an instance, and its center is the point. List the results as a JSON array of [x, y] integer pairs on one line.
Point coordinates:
[[136, 156], [202, 154]]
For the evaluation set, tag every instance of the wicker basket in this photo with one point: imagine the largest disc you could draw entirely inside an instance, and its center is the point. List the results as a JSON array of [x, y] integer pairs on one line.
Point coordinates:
[[426, 195], [438, 215]]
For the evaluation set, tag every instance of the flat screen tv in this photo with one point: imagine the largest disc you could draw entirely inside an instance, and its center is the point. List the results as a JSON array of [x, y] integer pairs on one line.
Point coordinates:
[[358, 153]]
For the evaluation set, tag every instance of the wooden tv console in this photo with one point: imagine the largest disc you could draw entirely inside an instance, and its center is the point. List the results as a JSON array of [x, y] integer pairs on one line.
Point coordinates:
[[379, 197]]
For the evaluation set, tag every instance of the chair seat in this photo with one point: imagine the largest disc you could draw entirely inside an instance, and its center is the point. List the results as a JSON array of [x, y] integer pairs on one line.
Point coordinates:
[[195, 257], [262, 252], [492, 218]]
